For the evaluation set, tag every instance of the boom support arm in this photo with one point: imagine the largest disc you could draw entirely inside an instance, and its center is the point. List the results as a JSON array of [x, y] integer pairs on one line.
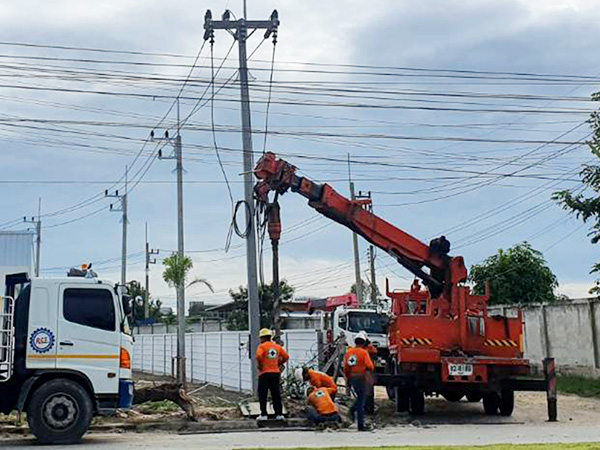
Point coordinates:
[[444, 271]]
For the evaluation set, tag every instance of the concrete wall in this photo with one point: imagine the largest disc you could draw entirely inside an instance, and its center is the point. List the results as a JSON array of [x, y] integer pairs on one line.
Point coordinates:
[[568, 332], [220, 358]]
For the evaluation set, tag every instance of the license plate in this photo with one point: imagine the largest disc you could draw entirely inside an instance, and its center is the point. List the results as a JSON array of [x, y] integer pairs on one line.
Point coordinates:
[[460, 369]]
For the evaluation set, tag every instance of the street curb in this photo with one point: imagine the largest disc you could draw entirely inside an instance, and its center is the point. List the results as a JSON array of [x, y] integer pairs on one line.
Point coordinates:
[[179, 427]]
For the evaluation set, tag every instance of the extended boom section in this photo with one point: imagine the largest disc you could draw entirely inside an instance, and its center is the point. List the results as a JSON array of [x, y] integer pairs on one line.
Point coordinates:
[[430, 263]]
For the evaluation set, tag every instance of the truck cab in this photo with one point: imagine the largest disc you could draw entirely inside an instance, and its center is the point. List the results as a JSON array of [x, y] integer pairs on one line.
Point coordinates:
[[350, 321], [65, 353]]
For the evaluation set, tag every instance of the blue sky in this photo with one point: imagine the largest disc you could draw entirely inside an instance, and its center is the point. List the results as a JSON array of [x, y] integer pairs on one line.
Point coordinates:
[[409, 132]]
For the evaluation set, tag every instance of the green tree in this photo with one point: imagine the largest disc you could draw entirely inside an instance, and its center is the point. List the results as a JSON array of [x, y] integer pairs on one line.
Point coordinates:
[[367, 289], [177, 268], [135, 290], [587, 207], [238, 319], [517, 275]]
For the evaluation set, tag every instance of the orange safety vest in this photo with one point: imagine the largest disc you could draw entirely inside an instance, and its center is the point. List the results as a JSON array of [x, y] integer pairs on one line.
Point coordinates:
[[322, 380], [357, 362], [322, 402], [270, 356]]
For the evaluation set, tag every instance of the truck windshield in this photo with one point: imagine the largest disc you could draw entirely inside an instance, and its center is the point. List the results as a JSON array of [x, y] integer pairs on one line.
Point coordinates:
[[370, 322]]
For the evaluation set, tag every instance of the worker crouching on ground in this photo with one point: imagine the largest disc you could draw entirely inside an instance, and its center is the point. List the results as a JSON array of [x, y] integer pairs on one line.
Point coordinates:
[[322, 409], [270, 357], [317, 380], [358, 369]]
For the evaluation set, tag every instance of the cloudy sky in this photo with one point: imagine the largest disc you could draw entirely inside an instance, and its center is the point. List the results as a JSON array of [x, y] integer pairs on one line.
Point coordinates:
[[462, 117]]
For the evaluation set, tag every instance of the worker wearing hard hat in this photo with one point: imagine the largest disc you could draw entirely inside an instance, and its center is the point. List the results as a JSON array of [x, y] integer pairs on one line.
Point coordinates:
[[322, 408], [358, 368], [270, 357], [317, 380]]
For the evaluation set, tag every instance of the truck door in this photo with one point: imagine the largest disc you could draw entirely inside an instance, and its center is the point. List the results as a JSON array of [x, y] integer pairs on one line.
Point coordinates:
[[89, 334]]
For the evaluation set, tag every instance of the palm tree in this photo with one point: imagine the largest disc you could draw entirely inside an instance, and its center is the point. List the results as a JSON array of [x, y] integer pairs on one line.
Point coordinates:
[[177, 270]]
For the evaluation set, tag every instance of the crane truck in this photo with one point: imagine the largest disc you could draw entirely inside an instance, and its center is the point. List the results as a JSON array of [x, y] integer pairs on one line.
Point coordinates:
[[65, 352], [441, 338]]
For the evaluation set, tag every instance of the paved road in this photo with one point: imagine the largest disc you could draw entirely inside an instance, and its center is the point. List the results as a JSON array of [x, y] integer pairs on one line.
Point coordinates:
[[400, 435]]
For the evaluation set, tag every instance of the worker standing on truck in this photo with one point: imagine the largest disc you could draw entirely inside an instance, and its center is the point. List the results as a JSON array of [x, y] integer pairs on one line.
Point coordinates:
[[270, 357], [358, 369], [322, 408], [317, 380]]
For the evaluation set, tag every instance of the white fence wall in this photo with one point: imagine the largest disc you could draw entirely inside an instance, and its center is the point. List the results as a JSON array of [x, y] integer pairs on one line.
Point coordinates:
[[220, 358]]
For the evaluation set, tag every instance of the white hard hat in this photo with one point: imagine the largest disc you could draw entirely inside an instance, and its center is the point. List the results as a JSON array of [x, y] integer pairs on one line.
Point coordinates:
[[298, 375], [361, 335]]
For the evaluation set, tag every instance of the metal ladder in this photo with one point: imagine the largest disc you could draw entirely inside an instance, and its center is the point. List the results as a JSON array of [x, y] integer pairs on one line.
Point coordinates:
[[7, 337]]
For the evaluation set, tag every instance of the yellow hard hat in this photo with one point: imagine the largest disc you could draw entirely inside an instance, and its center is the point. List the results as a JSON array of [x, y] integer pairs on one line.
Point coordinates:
[[265, 332]]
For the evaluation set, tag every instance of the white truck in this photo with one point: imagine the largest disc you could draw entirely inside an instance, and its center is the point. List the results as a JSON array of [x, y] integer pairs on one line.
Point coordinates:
[[65, 353]]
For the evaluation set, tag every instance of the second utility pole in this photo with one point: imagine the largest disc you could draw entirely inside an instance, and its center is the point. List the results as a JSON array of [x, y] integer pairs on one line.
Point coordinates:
[[241, 27], [180, 290]]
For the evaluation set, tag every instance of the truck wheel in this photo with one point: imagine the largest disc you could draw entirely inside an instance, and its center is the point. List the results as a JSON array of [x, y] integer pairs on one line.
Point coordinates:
[[453, 396], [417, 402], [474, 397], [392, 370], [507, 402], [402, 400], [490, 404], [59, 412]]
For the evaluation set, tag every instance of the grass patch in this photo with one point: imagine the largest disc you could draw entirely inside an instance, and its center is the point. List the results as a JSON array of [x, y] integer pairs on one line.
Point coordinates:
[[584, 387], [163, 406], [587, 446]]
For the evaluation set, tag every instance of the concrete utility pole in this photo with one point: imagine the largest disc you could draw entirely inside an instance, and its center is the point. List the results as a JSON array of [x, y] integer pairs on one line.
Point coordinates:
[[240, 32], [149, 261], [38, 237], [178, 156], [123, 209], [358, 280], [369, 206]]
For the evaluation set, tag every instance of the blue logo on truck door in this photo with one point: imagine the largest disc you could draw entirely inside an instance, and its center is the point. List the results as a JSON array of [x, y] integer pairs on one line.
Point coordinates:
[[42, 340]]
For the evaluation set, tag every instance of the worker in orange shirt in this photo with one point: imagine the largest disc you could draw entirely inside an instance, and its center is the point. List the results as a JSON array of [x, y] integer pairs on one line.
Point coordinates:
[[317, 380], [270, 357], [322, 408], [358, 369]]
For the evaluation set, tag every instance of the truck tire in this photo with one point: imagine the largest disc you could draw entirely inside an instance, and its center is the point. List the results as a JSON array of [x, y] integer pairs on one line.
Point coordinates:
[[453, 396], [474, 397], [59, 412], [490, 403], [402, 400], [417, 402], [507, 402]]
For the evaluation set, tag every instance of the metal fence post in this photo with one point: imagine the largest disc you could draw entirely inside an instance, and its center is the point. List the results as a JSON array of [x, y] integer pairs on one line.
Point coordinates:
[[164, 354], [205, 361], [550, 375], [221, 357], [191, 357], [595, 349], [239, 336], [152, 360], [142, 353]]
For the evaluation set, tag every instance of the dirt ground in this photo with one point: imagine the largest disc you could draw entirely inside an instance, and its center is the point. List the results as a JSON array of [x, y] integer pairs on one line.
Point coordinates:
[[530, 408]]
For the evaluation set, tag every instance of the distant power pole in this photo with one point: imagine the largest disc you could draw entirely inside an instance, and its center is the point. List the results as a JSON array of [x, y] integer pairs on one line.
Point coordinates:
[[369, 206], [239, 29], [38, 237], [149, 260], [358, 280], [123, 209], [177, 155]]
